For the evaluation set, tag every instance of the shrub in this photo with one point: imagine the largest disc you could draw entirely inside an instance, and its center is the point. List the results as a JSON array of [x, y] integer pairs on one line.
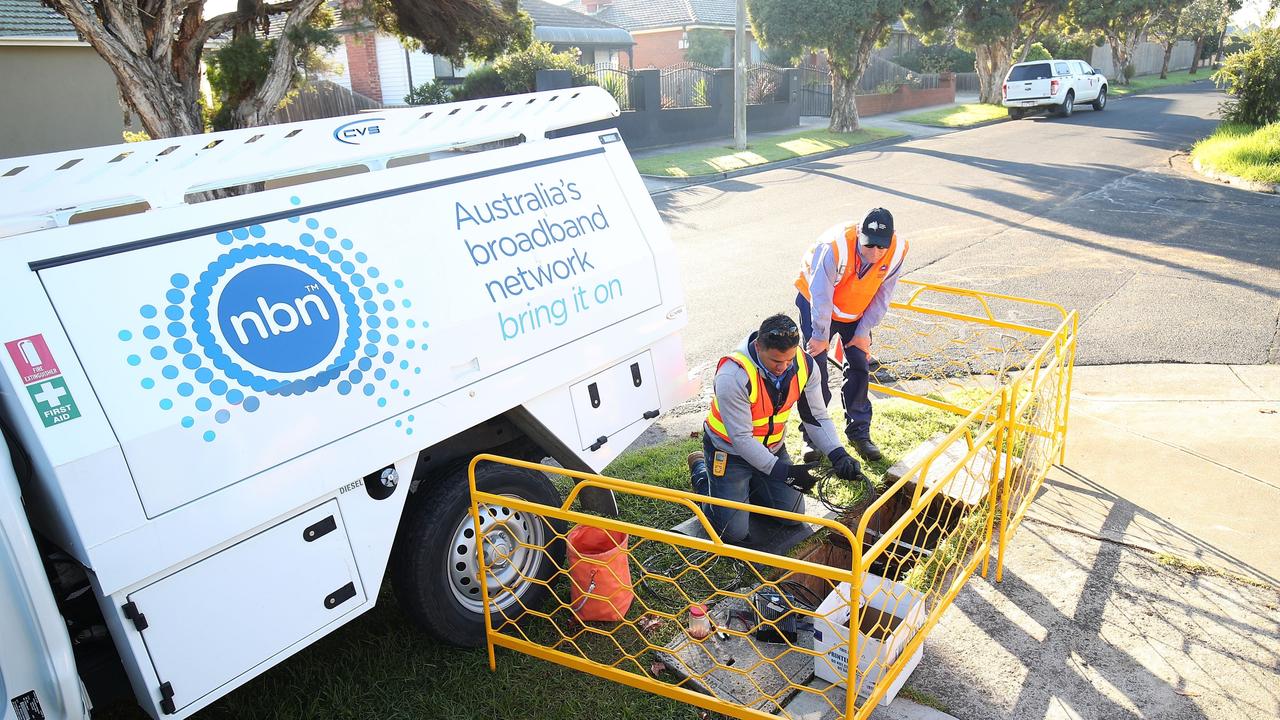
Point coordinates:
[[1038, 52], [615, 83], [519, 69], [483, 82], [1252, 80], [432, 93], [708, 47], [700, 92], [937, 59]]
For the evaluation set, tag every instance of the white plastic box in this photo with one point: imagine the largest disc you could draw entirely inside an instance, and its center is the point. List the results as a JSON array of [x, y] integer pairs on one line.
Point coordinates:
[[895, 613]]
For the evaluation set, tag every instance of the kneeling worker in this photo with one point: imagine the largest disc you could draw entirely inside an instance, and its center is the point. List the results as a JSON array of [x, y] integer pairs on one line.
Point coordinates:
[[755, 389]]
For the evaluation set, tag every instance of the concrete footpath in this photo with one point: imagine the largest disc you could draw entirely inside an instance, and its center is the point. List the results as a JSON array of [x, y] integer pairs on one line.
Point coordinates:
[[1112, 604], [888, 121]]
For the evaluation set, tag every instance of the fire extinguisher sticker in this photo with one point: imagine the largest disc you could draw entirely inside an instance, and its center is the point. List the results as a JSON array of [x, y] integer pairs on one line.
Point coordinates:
[[32, 358]]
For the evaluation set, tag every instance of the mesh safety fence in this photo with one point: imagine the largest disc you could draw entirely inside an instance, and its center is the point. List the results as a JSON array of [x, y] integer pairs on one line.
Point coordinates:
[[751, 634]]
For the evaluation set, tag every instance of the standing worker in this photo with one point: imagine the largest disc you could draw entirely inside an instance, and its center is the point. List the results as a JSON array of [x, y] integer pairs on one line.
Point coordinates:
[[845, 286], [755, 388]]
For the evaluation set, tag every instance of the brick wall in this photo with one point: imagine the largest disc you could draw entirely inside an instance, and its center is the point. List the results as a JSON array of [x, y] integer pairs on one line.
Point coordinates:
[[658, 49], [908, 98], [362, 64]]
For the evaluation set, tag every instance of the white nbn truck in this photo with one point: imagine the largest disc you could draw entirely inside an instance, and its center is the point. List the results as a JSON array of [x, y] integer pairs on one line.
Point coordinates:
[[225, 421]]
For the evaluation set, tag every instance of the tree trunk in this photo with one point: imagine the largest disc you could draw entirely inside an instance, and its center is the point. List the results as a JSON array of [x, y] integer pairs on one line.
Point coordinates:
[[1195, 59], [1119, 58], [1168, 51], [992, 62], [844, 102], [846, 73]]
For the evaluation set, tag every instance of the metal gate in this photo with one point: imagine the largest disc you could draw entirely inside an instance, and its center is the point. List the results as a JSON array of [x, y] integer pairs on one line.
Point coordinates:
[[815, 92]]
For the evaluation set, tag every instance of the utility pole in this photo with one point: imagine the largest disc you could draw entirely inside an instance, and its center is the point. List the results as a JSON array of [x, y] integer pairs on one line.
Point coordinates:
[[740, 79]]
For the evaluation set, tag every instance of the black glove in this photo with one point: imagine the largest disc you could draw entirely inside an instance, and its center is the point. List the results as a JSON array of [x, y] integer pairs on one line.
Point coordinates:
[[846, 468], [798, 477]]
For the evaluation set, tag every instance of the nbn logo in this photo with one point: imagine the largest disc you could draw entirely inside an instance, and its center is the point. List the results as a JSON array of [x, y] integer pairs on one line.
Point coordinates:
[[278, 318], [354, 132]]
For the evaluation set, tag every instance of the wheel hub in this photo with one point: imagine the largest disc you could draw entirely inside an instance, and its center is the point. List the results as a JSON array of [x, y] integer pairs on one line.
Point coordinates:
[[512, 550]]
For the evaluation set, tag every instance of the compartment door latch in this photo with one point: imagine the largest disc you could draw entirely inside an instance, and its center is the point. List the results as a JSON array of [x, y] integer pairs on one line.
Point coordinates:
[[132, 612]]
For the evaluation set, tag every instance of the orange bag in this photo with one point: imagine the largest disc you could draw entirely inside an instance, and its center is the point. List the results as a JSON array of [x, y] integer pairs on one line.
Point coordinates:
[[599, 566]]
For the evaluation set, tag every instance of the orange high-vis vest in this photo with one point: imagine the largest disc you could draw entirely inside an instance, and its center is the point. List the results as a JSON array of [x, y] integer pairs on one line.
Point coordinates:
[[852, 294], [768, 423]]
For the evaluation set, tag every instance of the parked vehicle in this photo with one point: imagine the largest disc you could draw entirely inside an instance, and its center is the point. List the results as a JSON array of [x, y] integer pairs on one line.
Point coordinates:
[[226, 420], [1053, 86]]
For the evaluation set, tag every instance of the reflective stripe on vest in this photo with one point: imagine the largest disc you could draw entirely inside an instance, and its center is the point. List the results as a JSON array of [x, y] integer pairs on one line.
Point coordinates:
[[768, 424], [852, 294]]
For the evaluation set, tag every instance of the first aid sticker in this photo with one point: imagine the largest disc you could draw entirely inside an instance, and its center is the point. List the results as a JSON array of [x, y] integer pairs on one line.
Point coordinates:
[[53, 401]]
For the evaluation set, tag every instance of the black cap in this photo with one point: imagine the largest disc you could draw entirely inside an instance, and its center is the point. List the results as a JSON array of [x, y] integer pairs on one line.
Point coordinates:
[[877, 228]]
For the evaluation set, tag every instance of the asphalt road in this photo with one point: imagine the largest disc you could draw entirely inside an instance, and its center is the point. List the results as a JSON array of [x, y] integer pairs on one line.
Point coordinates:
[[1094, 212]]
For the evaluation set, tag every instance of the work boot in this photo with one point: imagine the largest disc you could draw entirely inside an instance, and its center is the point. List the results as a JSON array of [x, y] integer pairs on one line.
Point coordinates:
[[867, 449], [695, 458], [698, 472]]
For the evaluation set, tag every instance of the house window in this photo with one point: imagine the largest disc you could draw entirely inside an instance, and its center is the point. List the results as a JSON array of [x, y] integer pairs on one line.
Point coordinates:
[[443, 67]]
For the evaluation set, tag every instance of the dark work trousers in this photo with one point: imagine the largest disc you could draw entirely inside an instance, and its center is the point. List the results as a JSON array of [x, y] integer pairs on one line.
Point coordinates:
[[741, 483], [853, 391]]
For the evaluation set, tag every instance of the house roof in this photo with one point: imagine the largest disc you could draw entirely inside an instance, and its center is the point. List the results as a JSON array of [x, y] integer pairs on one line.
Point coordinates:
[[558, 24], [654, 14], [30, 19]]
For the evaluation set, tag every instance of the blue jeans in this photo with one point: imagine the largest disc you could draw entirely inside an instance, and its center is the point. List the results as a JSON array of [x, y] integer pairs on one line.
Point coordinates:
[[857, 376], [741, 483]]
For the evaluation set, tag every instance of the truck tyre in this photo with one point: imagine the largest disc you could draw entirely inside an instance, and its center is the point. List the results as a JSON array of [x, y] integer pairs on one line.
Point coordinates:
[[434, 565], [1101, 101], [1016, 113], [1068, 105]]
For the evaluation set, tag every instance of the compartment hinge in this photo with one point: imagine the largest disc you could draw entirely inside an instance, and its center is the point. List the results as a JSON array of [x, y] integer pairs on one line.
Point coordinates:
[[167, 705], [132, 612]]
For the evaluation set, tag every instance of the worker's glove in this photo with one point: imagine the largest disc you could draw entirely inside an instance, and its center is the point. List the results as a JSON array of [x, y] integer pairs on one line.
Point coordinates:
[[846, 468], [799, 477]]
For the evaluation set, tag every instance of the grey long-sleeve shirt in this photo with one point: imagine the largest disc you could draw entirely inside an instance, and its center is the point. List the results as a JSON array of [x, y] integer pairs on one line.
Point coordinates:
[[731, 384], [823, 287]]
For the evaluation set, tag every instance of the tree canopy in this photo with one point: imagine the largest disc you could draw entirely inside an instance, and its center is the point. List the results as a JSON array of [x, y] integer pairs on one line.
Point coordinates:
[[155, 47], [847, 31]]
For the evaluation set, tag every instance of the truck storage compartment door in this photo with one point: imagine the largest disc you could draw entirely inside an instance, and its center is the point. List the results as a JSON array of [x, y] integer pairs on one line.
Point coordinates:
[[614, 399], [211, 622]]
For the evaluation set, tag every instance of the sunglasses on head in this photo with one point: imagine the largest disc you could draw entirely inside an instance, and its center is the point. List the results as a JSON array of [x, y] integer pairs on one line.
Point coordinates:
[[791, 334]]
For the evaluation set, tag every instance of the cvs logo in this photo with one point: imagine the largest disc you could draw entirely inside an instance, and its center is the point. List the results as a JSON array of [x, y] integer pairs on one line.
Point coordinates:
[[353, 133], [278, 318]]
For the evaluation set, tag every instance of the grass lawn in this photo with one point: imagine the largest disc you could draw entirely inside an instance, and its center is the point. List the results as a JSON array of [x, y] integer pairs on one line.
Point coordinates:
[[1247, 152], [959, 115], [379, 666], [706, 161], [1150, 82]]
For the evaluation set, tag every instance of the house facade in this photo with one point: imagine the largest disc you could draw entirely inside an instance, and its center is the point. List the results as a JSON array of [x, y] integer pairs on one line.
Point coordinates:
[[39, 50], [661, 27], [377, 66]]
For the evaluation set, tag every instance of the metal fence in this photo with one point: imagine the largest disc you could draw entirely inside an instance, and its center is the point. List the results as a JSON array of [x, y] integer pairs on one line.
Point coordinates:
[[686, 85], [632, 609], [621, 84], [322, 99], [879, 76], [766, 84], [967, 83]]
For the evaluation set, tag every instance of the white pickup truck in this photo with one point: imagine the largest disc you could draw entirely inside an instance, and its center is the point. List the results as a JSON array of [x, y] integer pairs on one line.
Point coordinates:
[[1054, 86], [225, 421]]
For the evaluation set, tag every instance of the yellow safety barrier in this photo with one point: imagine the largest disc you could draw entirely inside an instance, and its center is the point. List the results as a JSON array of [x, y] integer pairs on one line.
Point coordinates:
[[751, 634]]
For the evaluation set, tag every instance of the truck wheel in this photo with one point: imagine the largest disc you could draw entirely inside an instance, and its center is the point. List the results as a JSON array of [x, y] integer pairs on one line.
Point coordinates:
[[434, 566], [1016, 113], [1101, 101], [1068, 105]]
